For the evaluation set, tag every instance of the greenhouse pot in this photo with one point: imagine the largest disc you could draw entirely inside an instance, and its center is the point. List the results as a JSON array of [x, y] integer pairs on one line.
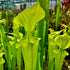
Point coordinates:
[[29, 52]]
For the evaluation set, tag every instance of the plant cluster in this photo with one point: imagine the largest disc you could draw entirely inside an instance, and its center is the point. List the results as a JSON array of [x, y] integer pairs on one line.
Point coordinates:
[[31, 44], [64, 15]]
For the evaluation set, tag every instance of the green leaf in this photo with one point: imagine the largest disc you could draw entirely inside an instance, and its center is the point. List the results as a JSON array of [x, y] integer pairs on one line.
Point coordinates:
[[1, 67], [18, 53], [29, 17], [0, 15], [54, 33], [63, 41], [57, 14], [2, 61], [44, 4], [1, 21], [51, 48], [1, 58], [59, 58], [1, 54], [40, 28], [30, 52]]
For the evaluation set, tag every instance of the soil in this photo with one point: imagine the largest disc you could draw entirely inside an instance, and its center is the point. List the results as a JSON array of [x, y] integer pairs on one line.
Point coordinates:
[[65, 65]]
